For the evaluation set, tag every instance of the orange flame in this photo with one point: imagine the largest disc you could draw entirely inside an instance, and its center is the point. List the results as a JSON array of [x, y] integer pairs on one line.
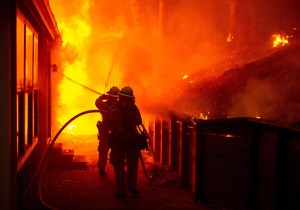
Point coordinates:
[[203, 117], [280, 40], [229, 38], [81, 65], [75, 35]]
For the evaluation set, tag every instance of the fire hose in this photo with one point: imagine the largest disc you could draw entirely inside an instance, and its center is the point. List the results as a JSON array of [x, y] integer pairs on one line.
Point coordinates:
[[143, 130], [45, 155]]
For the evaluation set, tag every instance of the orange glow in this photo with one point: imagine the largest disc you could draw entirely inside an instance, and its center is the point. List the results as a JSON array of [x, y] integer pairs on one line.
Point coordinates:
[[229, 38], [280, 40], [75, 41], [81, 65], [203, 117], [119, 42], [105, 44]]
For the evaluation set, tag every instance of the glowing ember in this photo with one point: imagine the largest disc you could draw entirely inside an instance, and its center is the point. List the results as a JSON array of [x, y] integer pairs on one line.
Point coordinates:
[[229, 38], [185, 77], [280, 40], [203, 117]]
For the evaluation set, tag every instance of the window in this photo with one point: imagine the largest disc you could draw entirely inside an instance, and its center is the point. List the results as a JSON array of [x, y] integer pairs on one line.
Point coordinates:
[[27, 92]]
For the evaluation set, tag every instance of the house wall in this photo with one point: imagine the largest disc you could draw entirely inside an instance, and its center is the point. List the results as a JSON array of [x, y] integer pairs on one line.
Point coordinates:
[[19, 183], [8, 166]]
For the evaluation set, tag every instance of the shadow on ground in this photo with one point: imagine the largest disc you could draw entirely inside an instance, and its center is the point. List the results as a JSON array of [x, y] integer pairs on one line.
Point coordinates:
[[83, 188]]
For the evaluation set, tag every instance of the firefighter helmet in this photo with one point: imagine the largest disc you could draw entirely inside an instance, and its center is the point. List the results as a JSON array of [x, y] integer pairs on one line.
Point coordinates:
[[113, 91], [127, 92]]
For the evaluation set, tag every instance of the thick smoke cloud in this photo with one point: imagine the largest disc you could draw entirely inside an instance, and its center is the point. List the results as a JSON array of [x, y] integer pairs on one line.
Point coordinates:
[[150, 45]]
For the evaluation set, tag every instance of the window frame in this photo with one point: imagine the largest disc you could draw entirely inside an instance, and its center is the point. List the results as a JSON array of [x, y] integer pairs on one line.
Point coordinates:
[[27, 89]]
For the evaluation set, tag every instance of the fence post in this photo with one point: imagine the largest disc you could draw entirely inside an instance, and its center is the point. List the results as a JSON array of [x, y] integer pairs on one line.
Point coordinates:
[[157, 139], [199, 163], [174, 142], [185, 155], [165, 142], [151, 135], [281, 168]]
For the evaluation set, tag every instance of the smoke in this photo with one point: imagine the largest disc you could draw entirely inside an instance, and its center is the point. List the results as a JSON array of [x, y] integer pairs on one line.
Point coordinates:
[[266, 88], [154, 57], [134, 43], [150, 45], [260, 99], [274, 94]]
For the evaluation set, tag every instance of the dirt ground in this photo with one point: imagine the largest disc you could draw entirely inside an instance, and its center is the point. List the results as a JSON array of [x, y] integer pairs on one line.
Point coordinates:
[[83, 188]]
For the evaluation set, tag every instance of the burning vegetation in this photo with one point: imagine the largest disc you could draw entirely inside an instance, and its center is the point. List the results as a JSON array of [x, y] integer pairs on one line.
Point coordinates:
[[266, 88]]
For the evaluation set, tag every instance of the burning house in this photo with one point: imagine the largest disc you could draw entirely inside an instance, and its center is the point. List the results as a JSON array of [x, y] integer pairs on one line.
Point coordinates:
[[208, 59]]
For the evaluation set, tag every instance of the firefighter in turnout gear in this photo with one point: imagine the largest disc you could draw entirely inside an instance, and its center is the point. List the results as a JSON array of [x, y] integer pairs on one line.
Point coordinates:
[[124, 117], [103, 103]]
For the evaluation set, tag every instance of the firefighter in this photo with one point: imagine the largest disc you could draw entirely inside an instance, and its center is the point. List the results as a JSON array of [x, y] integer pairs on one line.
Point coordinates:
[[103, 102], [124, 117]]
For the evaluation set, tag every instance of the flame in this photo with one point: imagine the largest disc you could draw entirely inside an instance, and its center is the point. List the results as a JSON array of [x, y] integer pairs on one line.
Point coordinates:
[[80, 65], [89, 47], [229, 38], [75, 35], [280, 40], [74, 67], [203, 117]]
